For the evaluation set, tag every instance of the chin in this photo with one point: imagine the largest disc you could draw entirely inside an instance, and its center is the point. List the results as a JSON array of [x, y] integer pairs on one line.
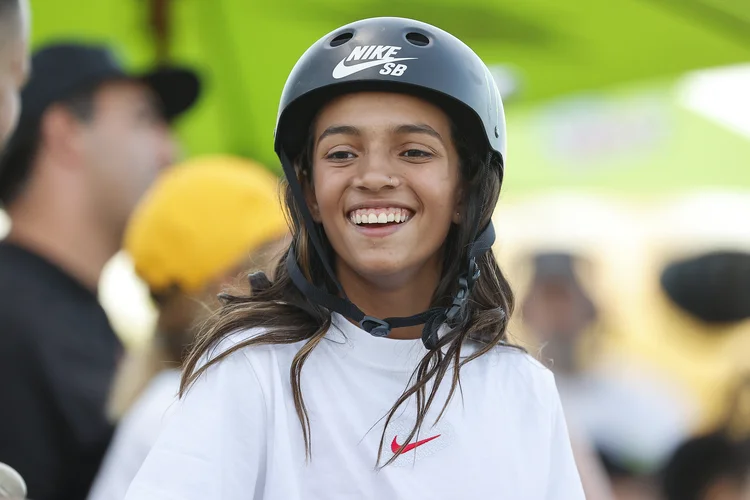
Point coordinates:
[[379, 268], [384, 273]]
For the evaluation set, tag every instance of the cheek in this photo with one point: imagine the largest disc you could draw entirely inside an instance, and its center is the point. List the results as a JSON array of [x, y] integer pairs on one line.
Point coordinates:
[[139, 141], [145, 157], [439, 197], [144, 149], [329, 185], [138, 150], [121, 134], [125, 157], [109, 142]]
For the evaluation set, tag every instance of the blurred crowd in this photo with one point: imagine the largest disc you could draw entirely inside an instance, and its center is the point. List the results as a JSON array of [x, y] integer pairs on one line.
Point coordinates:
[[644, 320]]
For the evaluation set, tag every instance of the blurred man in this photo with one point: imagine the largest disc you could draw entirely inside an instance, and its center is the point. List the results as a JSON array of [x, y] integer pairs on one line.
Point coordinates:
[[202, 224], [90, 141], [14, 61], [558, 311]]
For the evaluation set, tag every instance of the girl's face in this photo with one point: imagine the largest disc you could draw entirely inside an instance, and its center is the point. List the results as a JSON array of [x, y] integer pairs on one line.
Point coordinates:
[[385, 185]]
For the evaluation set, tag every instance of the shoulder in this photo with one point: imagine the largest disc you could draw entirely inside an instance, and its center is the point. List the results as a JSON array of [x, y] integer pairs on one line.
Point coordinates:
[[516, 372], [522, 362], [239, 347], [229, 352], [235, 360], [24, 274]]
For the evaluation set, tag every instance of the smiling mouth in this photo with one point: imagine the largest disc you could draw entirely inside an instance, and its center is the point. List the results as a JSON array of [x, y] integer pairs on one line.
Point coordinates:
[[377, 217]]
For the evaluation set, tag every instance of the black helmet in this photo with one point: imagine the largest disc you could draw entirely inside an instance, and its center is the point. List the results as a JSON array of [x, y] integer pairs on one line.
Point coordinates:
[[391, 53], [405, 56]]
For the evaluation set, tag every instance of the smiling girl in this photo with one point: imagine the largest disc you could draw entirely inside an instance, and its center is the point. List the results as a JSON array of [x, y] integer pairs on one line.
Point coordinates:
[[376, 365]]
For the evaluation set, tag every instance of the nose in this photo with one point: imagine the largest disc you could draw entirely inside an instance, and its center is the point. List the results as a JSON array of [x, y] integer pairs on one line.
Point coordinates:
[[374, 173]]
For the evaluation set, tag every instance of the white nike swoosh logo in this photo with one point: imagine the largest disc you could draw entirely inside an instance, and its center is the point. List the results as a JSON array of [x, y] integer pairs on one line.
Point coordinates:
[[342, 71]]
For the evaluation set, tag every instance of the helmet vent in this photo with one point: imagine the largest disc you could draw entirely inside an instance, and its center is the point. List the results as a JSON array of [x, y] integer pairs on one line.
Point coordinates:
[[341, 39], [418, 39]]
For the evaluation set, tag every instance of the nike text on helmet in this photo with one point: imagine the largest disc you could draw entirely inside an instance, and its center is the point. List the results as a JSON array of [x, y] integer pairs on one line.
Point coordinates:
[[372, 56], [398, 55]]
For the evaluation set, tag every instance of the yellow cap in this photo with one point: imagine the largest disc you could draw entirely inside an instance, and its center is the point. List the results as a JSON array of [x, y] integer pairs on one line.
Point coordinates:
[[200, 219]]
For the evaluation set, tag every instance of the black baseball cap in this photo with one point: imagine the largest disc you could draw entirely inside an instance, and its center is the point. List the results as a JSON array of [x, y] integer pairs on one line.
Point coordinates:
[[61, 70]]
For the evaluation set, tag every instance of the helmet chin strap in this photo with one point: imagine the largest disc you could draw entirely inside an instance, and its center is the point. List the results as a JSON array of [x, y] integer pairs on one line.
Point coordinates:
[[432, 318]]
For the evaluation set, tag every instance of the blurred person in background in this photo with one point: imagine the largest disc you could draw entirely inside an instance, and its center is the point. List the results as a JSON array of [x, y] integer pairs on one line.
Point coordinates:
[[627, 422], [14, 61], [90, 141], [558, 311], [185, 256]]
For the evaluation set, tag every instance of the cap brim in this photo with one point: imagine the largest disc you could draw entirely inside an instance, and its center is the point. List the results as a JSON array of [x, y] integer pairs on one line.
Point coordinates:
[[177, 88]]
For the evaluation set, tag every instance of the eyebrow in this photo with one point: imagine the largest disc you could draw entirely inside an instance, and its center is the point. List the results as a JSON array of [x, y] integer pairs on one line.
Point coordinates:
[[419, 128], [339, 129]]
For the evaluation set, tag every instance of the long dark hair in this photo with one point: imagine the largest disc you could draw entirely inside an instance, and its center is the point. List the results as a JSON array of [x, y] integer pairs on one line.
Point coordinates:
[[288, 317]]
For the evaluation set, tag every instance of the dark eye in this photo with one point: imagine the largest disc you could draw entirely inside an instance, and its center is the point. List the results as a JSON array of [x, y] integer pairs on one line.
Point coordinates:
[[341, 155], [416, 153]]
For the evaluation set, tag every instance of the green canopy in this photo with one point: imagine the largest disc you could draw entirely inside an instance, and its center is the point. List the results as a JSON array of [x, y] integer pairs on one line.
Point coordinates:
[[246, 49]]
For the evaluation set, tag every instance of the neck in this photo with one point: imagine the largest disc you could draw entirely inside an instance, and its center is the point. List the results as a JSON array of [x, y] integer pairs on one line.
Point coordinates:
[[67, 237], [412, 296]]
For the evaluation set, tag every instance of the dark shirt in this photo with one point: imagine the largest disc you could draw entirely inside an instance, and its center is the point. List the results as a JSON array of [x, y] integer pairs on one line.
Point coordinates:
[[58, 355]]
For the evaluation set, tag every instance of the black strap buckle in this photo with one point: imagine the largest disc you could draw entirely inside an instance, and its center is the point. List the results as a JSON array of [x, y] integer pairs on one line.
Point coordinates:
[[474, 272], [465, 285], [459, 300], [375, 327]]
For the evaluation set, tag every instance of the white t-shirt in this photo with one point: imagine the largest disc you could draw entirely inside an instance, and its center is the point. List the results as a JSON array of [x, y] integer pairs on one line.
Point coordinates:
[[136, 434], [236, 435]]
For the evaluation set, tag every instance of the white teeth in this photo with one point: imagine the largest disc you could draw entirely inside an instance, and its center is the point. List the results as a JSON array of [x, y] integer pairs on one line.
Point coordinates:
[[379, 215]]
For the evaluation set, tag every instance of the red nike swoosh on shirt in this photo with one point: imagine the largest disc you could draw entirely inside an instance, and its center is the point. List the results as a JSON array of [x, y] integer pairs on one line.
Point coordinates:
[[395, 446]]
